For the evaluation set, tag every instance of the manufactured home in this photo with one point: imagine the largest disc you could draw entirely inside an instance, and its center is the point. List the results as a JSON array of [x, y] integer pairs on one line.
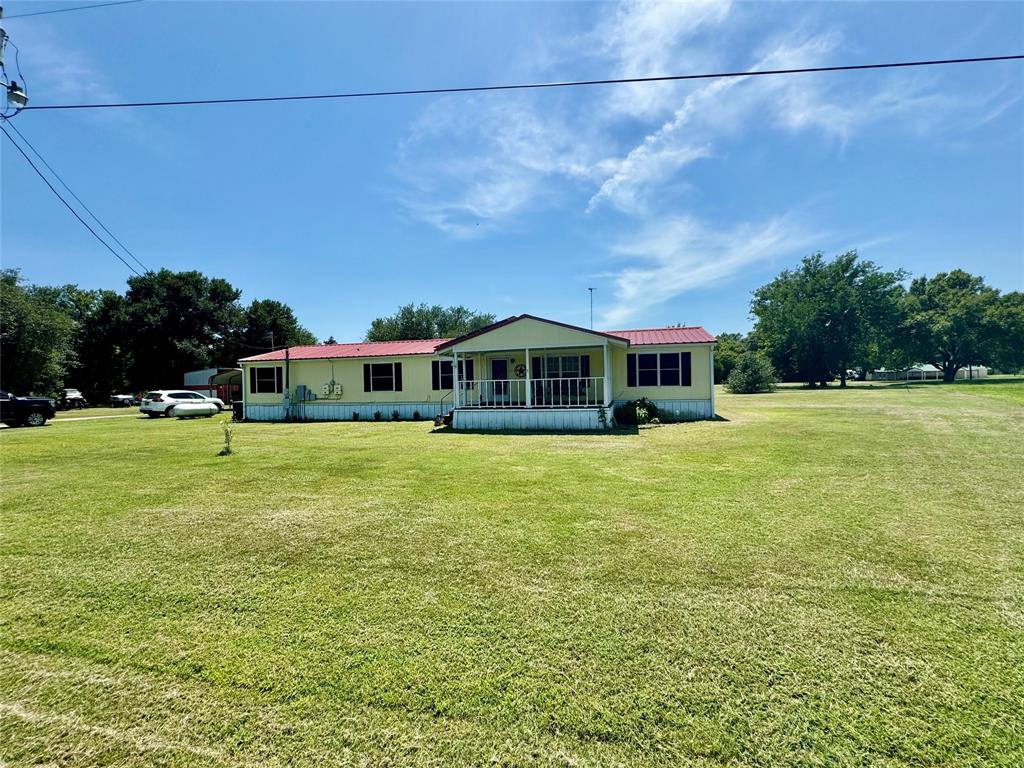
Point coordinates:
[[523, 372]]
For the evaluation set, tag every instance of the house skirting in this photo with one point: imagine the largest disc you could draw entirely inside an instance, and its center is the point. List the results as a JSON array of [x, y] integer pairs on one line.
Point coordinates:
[[320, 410], [540, 419], [681, 410]]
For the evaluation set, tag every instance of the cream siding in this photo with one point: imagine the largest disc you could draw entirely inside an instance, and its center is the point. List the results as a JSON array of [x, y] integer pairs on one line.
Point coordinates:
[[700, 378], [528, 333]]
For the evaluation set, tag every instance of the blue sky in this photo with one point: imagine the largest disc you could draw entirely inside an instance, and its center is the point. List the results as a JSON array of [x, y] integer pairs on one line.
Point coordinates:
[[674, 201]]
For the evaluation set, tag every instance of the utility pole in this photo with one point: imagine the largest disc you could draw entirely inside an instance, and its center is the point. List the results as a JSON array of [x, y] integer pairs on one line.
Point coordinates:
[[591, 308], [16, 98]]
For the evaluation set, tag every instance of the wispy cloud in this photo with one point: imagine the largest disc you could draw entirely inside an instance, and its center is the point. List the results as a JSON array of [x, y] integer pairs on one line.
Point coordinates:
[[623, 154], [681, 254], [506, 156], [57, 71]]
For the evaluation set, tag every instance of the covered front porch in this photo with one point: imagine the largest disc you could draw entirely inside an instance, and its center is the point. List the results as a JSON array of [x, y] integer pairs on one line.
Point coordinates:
[[525, 378], [528, 373]]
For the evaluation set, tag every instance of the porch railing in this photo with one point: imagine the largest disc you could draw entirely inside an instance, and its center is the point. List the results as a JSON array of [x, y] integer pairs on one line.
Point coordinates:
[[543, 393]]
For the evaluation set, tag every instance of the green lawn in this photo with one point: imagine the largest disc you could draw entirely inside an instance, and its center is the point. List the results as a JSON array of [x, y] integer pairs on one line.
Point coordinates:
[[823, 578]]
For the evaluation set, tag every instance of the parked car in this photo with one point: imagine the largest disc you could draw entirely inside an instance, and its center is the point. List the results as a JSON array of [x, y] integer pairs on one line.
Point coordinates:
[[27, 411], [161, 402], [123, 401], [71, 398]]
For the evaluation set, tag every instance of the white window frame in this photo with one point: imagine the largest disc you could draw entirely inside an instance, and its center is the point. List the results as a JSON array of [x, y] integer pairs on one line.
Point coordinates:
[[261, 387], [373, 378], [657, 369]]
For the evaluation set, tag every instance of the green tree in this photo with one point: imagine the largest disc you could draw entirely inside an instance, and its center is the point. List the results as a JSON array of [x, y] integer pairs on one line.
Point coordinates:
[[953, 319], [753, 373], [1008, 317], [730, 348], [263, 321], [179, 321], [102, 342], [427, 322], [36, 338], [827, 316]]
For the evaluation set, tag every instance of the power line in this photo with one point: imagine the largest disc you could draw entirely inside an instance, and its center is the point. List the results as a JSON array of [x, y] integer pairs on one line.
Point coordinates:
[[66, 204], [75, 8], [526, 86], [72, 193]]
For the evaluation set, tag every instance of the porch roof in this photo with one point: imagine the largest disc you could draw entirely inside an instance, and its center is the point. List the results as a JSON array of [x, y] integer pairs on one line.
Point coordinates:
[[515, 319]]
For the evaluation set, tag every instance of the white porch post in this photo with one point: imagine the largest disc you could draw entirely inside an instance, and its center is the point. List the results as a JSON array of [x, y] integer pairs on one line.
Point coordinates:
[[607, 377], [455, 378], [529, 387], [712, 382]]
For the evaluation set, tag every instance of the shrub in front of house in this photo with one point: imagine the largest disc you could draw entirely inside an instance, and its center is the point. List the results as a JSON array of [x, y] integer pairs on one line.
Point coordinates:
[[355, 415], [416, 416], [395, 415], [633, 412], [377, 415], [753, 373]]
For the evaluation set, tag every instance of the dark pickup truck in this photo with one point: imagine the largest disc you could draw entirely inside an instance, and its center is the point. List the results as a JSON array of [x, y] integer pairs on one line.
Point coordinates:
[[27, 411]]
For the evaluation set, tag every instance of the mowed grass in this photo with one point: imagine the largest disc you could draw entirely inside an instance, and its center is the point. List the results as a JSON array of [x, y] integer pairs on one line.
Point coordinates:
[[825, 578]]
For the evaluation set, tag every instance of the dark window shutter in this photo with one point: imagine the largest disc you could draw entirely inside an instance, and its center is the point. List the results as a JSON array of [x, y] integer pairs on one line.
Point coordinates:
[[252, 380], [398, 377], [469, 370], [367, 386], [686, 373], [630, 370], [435, 374], [536, 370], [584, 366], [278, 388]]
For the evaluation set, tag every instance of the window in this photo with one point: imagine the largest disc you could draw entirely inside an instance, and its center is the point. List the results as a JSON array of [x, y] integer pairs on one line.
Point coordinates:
[[382, 377], [666, 369], [647, 370], [266, 380], [566, 367], [441, 373]]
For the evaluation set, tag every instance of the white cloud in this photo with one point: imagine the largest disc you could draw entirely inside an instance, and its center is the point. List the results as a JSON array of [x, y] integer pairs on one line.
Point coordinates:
[[58, 72], [670, 257], [505, 159], [474, 166], [646, 38]]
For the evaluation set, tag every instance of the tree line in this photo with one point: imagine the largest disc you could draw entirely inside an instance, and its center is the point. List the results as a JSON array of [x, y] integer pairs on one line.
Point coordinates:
[[812, 324], [825, 318], [166, 323], [104, 342]]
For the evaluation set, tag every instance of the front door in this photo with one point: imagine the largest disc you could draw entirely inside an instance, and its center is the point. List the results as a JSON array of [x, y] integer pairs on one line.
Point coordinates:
[[499, 375]]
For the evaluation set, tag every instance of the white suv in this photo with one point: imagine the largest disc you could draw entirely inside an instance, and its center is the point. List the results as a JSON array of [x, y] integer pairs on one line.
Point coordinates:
[[159, 402]]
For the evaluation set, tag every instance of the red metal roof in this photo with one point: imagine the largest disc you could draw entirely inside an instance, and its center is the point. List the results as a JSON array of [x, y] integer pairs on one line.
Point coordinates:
[[642, 336], [359, 349], [691, 335]]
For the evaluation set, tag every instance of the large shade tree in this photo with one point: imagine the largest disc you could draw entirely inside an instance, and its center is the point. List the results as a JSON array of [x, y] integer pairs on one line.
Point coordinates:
[[825, 317], [427, 322], [953, 319], [264, 324], [36, 337], [178, 321]]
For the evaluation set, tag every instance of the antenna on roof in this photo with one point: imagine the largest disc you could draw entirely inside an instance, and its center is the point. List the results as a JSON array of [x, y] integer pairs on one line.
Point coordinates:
[[591, 308]]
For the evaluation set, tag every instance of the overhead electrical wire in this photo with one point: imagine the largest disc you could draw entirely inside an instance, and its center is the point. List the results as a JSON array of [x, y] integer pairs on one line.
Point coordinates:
[[75, 8], [66, 204], [80, 202], [527, 86]]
